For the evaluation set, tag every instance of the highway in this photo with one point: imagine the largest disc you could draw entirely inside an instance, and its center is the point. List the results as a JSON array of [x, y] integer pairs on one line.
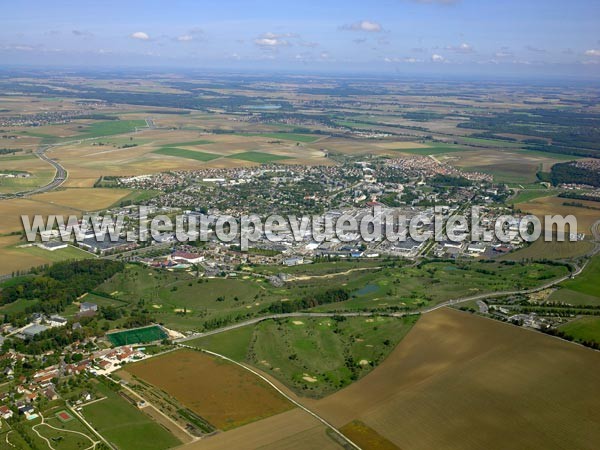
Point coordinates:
[[61, 173]]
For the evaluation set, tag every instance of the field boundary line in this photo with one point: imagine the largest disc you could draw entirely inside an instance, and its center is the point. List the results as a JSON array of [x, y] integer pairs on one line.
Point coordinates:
[[89, 425], [151, 405], [286, 396]]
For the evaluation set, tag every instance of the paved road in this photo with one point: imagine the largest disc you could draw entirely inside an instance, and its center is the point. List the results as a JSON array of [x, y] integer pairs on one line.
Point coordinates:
[[284, 394], [61, 173]]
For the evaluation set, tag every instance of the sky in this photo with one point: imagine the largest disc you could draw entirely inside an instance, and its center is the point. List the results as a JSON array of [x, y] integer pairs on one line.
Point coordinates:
[[537, 38]]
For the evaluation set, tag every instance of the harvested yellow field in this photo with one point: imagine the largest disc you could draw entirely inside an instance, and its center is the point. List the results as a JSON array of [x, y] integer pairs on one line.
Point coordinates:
[[555, 205], [459, 381], [12, 259], [401, 145], [67, 201], [82, 199], [292, 430], [550, 250]]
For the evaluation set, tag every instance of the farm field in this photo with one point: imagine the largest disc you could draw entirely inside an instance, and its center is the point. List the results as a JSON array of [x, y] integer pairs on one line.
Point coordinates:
[[124, 425], [14, 259], [573, 297], [313, 356], [527, 195], [365, 437], [291, 430], [583, 329], [67, 201], [555, 205], [432, 149], [188, 154], [306, 138], [63, 254], [258, 157], [588, 281], [39, 173], [227, 397], [488, 376], [508, 166], [550, 250]]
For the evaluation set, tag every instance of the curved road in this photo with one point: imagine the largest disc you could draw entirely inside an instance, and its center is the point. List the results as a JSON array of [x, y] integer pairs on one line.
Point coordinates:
[[61, 173], [398, 314]]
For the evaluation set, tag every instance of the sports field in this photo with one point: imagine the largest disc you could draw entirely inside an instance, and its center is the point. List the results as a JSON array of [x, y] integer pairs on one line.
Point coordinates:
[[224, 394], [137, 336]]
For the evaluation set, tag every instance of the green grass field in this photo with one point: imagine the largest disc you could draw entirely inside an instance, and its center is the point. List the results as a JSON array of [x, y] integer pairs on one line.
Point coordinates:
[[137, 336], [180, 301], [17, 307], [63, 254], [37, 179], [564, 295], [531, 194], [124, 425], [313, 356], [433, 149], [137, 196], [109, 128], [583, 329], [187, 154], [588, 282], [67, 436], [306, 138], [494, 143], [191, 143], [258, 157], [233, 344]]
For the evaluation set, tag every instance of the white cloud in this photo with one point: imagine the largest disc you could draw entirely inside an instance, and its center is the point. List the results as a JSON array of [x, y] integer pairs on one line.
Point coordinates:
[[593, 52], [461, 48], [82, 33], [437, 58], [409, 60], [185, 38], [364, 25], [504, 54], [273, 40], [533, 49], [140, 35]]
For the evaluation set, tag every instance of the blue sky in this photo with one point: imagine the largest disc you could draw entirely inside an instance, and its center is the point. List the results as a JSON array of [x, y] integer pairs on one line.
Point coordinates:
[[535, 37]]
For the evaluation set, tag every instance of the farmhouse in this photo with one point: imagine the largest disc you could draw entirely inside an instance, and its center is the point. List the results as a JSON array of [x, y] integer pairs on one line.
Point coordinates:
[[56, 321], [86, 307], [5, 412]]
